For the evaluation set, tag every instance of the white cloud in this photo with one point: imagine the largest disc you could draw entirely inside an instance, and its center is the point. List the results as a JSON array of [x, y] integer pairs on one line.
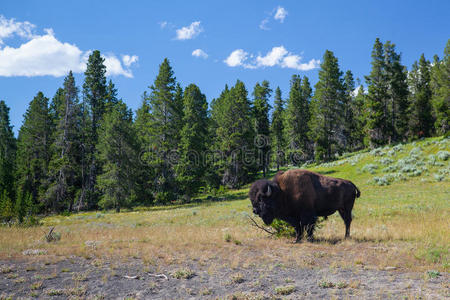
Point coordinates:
[[163, 24], [45, 55], [293, 62], [263, 24], [280, 14], [9, 28], [200, 53], [189, 32], [236, 58], [278, 56], [129, 60], [272, 58]]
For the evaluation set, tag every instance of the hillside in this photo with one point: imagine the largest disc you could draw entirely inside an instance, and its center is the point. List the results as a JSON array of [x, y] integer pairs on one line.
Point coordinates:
[[400, 241]]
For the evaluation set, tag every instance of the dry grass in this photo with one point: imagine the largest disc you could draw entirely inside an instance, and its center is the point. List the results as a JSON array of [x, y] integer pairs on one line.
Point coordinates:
[[404, 225]]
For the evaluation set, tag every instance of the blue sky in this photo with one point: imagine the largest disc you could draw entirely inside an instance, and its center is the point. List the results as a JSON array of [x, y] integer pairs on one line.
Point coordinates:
[[247, 40]]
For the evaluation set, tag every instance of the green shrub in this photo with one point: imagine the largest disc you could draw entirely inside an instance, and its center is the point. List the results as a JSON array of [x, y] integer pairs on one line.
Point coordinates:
[[439, 177], [390, 168], [283, 229], [369, 168], [228, 238], [377, 152], [381, 180], [285, 290], [164, 197], [443, 155], [433, 274], [398, 148], [385, 161], [183, 274], [417, 151]]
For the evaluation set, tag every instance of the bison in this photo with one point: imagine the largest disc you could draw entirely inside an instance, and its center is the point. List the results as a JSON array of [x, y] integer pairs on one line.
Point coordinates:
[[300, 196]]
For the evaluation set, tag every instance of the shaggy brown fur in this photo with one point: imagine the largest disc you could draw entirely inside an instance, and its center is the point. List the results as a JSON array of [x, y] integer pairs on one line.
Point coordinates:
[[300, 196]]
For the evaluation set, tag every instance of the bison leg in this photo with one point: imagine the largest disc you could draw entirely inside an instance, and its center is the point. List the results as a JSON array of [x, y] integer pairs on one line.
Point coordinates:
[[308, 223], [310, 230], [347, 217], [299, 233]]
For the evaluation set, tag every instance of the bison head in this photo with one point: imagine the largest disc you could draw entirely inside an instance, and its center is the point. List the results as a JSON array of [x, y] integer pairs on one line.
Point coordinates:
[[263, 195]]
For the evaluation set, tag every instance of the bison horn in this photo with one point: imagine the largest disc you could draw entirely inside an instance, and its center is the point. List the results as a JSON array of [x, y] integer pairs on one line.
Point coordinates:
[[269, 191]]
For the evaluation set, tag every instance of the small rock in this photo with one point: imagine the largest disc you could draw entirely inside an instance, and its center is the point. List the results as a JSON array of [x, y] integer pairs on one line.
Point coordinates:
[[92, 244], [34, 252]]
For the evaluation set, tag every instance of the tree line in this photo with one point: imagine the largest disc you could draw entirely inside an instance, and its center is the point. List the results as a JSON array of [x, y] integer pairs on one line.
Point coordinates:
[[84, 150]]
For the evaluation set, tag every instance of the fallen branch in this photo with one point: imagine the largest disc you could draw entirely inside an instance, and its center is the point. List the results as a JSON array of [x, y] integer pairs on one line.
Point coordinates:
[[260, 227], [159, 276], [131, 277]]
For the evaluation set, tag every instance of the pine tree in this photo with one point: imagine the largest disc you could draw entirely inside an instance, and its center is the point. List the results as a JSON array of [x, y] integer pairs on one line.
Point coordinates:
[[306, 98], [95, 93], [8, 149], [190, 170], [177, 117], [33, 149], [440, 79], [397, 94], [118, 153], [328, 108], [214, 160], [421, 120], [56, 102], [348, 121], [261, 107], [6, 207], [359, 115], [145, 175], [157, 123], [111, 96], [277, 129], [234, 136], [296, 121], [64, 168], [25, 209], [377, 106]]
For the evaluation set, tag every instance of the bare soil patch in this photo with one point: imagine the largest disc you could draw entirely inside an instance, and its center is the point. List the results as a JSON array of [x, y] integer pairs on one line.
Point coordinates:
[[61, 278]]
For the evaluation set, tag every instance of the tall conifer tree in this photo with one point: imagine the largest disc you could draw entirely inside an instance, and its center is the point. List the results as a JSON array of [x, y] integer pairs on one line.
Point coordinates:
[[441, 92], [397, 96], [297, 119], [234, 136], [421, 119], [8, 149], [348, 121], [33, 150], [158, 122], [261, 107], [95, 93], [328, 108], [118, 153], [64, 170], [277, 129], [190, 170], [377, 106]]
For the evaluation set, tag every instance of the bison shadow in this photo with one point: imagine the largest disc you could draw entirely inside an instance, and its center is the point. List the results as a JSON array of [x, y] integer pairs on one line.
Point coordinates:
[[337, 240]]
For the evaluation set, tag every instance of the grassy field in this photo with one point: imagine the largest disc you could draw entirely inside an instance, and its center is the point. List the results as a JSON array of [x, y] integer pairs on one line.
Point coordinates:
[[401, 221]]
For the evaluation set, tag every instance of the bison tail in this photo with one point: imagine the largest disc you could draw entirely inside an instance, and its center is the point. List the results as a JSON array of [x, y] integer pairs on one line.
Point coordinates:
[[358, 193]]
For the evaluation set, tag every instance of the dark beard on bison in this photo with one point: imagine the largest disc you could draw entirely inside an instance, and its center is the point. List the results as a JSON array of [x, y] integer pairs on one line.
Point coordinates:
[[267, 218]]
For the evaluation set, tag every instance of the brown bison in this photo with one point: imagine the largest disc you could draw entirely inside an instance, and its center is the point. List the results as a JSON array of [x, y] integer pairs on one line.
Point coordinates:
[[300, 196]]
